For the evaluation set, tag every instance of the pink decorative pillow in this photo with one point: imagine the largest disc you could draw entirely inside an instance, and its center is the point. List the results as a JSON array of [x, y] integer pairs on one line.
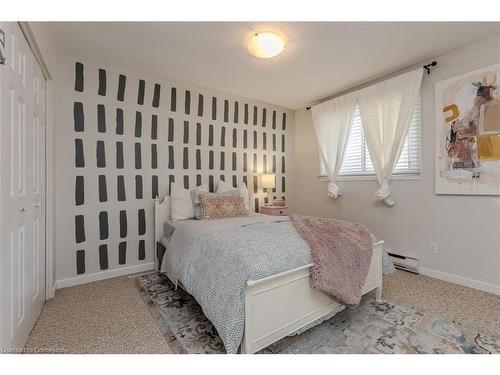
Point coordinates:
[[215, 207]]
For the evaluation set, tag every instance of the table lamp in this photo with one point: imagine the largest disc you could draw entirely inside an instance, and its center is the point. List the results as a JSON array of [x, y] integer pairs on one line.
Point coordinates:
[[269, 183]]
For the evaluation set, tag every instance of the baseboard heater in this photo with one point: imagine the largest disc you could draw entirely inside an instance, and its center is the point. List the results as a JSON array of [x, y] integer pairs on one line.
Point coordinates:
[[404, 263]]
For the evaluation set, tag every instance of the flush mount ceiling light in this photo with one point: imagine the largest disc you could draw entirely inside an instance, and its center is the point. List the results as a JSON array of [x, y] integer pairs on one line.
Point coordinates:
[[266, 44]]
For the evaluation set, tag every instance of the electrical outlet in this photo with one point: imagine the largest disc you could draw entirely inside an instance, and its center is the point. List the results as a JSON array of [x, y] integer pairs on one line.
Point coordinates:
[[433, 247], [480, 241]]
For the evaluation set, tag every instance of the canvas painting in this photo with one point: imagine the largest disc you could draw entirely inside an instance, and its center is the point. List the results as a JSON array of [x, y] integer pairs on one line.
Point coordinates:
[[468, 133]]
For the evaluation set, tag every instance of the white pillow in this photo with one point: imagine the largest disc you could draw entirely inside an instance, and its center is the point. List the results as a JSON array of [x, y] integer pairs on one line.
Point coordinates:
[[181, 203], [223, 187]]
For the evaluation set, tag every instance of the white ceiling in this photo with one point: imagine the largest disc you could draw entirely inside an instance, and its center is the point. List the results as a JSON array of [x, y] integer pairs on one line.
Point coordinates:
[[321, 58]]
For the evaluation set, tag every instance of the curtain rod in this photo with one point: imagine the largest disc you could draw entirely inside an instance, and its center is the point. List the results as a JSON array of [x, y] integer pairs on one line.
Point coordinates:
[[360, 86]]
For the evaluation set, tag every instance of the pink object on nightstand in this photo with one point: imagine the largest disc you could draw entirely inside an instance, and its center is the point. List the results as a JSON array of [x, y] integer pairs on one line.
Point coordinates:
[[274, 210]]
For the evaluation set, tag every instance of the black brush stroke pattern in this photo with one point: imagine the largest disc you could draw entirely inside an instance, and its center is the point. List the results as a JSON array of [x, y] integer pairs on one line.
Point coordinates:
[[79, 191], [78, 117], [119, 121], [79, 157], [121, 189], [80, 262], [79, 77], [122, 252], [103, 191], [103, 257], [138, 187], [102, 83], [156, 96], [122, 82], [101, 118], [140, 92]]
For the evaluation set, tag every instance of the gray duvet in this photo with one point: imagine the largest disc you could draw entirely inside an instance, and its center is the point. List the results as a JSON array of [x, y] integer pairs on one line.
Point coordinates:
[[214, 259]]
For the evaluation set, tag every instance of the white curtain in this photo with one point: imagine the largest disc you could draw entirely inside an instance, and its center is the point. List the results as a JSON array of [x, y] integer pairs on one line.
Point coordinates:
[[332, 121], [386, 109]]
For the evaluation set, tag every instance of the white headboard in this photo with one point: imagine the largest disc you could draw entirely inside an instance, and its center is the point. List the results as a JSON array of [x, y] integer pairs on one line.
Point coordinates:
[[162, 214]]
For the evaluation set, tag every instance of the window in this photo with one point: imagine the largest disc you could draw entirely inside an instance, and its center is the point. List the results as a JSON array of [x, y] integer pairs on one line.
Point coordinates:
[[357, 160]]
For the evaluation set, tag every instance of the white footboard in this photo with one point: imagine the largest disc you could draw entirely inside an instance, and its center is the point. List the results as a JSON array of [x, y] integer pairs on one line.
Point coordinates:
[[279, 305]]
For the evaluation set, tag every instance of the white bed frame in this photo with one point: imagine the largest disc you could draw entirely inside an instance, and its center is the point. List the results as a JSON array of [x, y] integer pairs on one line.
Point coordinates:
[[281, 304]]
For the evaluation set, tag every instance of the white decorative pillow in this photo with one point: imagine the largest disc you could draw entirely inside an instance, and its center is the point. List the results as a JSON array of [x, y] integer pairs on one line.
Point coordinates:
[[181, 203], [223, 187], [245, 195]]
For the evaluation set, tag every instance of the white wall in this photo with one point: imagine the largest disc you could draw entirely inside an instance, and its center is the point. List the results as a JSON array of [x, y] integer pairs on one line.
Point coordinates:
[[46, 43], [69, 265], [465, 228]]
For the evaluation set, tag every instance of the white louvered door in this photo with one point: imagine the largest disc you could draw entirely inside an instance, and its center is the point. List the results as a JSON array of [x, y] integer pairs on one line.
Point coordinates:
[[22, 188]]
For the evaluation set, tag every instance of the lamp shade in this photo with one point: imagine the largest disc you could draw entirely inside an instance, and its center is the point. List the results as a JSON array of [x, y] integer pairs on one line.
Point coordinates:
[[266, 44], [268, 181]]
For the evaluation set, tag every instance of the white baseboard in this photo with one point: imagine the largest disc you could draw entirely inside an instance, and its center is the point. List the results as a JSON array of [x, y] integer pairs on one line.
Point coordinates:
[[464, 281], [84, 279], [52, 292]]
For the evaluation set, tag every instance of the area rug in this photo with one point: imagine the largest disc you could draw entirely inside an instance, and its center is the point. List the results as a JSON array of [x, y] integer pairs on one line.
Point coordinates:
[[372, 327]]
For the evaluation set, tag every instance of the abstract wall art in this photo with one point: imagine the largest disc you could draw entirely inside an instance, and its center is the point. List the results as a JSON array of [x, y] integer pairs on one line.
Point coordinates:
[[468, 133]]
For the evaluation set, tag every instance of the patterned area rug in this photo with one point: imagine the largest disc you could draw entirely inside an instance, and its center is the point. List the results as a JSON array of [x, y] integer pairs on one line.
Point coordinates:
[[369, 328]]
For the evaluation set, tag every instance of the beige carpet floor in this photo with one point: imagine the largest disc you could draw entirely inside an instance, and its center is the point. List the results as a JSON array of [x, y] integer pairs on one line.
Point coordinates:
[[101, 317], [109, 317], [471, 308]]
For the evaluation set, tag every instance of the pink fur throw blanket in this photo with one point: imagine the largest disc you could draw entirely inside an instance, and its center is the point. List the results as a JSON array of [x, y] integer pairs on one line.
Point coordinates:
[[341, 253]]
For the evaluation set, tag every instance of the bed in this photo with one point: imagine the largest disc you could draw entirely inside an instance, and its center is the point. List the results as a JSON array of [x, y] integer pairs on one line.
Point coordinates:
[[257, 307]]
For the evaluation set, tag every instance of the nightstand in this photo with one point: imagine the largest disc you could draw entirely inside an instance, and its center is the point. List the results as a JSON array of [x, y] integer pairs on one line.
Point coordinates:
[[274, 210]]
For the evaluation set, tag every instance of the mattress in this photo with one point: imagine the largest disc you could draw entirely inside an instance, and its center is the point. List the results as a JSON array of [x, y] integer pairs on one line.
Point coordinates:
[[214, 259]]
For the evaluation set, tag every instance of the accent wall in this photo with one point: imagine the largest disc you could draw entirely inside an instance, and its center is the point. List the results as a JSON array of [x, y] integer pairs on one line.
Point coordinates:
[[123, 137]]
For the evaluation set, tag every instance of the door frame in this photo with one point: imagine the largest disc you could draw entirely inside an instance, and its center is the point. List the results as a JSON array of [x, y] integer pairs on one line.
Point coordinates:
[[49, 160]]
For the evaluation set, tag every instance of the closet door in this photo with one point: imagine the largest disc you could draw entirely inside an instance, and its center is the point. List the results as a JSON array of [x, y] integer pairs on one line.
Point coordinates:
[[22, 188]]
